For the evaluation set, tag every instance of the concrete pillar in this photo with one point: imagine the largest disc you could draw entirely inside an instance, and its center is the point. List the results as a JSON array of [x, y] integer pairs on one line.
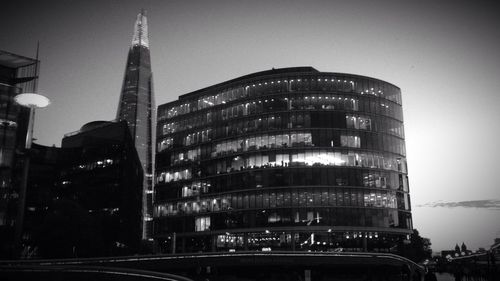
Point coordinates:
[[245, 241], [307, 275], [214, 242], [174, 241]]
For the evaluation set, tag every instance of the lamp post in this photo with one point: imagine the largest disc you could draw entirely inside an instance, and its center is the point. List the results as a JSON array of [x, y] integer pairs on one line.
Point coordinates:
[[31, 101]]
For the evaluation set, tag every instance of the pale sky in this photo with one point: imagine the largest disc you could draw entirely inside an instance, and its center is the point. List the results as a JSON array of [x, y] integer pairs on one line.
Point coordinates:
[[444, 55]]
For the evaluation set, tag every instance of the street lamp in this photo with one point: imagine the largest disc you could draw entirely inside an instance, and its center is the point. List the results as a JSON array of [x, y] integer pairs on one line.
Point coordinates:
[[32, 101]]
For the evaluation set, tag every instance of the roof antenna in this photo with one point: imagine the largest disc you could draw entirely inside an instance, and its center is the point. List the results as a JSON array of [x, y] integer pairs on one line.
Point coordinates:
[[35, 82]]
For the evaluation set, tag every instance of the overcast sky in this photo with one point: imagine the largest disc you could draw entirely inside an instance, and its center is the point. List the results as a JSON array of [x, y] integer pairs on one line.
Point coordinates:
[[444, 55]]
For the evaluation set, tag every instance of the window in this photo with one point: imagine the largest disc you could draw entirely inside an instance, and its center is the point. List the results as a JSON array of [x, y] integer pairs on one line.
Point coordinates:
[[358, 122], [195, 188], [365, 123], [350, 141], [175, 175], [166, 143], [169, 128]]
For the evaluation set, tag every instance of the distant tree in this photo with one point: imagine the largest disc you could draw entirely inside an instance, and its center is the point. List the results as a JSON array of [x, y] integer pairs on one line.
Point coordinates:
[[464, 247], [417, 249]]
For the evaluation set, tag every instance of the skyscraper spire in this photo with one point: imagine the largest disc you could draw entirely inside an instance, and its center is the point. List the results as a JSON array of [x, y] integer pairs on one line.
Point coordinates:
[[137, 106], [141, 30]]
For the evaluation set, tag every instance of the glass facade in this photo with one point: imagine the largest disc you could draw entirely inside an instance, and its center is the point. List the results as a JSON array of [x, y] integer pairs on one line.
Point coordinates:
[[287, 159], [18, 75], [136, 107]]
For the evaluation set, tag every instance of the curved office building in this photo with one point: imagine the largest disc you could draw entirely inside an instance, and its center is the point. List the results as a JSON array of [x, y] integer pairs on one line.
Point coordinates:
[[286, 159]]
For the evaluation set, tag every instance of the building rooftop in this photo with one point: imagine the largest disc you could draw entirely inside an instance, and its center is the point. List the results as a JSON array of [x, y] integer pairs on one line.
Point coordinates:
[[274, 71], [14, 61]]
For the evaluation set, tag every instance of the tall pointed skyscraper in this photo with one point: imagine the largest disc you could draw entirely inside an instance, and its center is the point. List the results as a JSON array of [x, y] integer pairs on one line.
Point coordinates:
[[137, 108]]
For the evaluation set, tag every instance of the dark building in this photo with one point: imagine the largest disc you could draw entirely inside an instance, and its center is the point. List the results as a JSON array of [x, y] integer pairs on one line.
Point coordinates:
[[136, 107], [84, 199], [286, 159], [17, 75], [43, 179]]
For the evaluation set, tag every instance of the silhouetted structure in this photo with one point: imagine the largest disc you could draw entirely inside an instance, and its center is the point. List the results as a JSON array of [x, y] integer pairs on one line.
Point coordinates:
[[482, 266], [84, 199], [17, 75], [286, 159], [136, 106]]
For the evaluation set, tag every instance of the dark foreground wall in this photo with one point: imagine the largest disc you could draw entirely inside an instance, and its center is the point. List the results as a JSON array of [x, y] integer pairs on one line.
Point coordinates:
[[83, 273], [263, 266]]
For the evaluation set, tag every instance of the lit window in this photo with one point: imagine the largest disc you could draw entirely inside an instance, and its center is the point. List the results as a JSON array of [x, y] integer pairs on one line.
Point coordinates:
[[202, 223], [350, 141]]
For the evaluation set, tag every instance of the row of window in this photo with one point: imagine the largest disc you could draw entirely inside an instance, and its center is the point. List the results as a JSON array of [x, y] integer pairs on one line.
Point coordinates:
[[344, 103], [285, 121], [263, 142], [284, 177], [309, 197], [351, 241], [308, 139], [313, 138], [282, 104], [292, 217], [183, 156], [194, 188], [306, 158], [197, 137], [102, 163], [174, 175], [316, 158], [323, 83], [319, 102], [272, 104], [330, 241]]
